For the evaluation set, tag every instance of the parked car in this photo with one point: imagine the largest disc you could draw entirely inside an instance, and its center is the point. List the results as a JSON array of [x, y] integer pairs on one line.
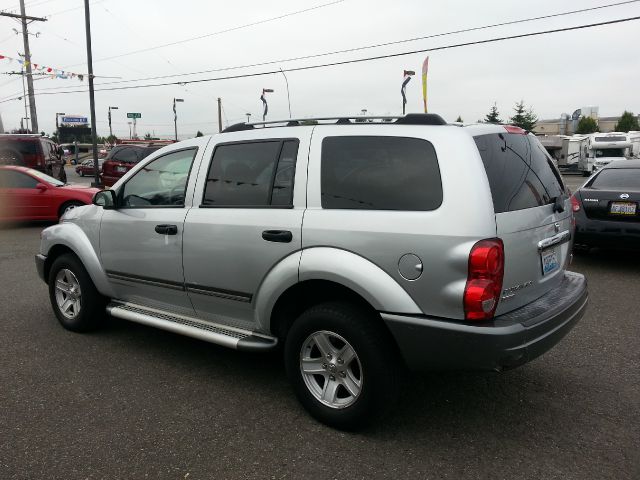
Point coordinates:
[[27, 194], [86, 167], [123, 158], [32, 151], [606, 207], [360, 247]]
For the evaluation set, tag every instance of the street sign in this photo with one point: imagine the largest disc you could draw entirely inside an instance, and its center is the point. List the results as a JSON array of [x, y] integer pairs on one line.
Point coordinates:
[[134, 115]]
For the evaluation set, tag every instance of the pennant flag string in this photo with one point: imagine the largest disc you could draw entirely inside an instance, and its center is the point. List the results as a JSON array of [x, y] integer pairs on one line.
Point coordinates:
[[43, 70]]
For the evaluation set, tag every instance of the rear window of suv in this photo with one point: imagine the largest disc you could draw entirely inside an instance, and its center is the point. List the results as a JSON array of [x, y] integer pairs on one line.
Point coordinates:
[[130, 154], [520, 172], [380, 173]]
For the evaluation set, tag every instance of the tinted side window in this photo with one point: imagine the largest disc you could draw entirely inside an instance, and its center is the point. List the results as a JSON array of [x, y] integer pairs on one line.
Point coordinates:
[[519, 174], [380, 173], [242, 174], [163, 182], [12, 179]]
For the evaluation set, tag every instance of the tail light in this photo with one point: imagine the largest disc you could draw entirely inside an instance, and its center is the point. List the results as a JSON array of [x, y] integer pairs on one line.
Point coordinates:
[[575, 204], [484, 283]]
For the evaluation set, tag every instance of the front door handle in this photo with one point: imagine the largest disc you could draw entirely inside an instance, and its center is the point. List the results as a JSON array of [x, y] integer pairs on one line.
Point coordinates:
[[282, 236], [167, 229]]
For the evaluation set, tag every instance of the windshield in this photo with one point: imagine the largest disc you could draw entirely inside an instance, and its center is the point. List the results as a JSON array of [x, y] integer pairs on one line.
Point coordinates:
[[618, 179], [609, 152], [45, 178]]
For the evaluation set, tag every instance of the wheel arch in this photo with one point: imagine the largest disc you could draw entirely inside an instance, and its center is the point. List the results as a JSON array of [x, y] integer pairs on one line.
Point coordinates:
[[326, 274], [69, 238]]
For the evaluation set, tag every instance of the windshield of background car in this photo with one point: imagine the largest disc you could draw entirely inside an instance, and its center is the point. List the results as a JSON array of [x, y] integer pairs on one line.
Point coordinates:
[[520, 172], [45, 178], [609, 152], [617, 179]]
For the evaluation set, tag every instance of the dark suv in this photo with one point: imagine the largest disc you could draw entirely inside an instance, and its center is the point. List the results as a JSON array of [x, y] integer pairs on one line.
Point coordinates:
[[28, 150], [123, 158]]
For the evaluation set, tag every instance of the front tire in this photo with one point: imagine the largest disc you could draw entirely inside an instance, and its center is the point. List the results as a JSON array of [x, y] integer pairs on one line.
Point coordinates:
[[74, 298], [68, 206], [342, 365]]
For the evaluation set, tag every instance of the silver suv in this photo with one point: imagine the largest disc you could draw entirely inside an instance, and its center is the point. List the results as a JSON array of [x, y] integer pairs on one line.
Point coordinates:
[[361, 248]]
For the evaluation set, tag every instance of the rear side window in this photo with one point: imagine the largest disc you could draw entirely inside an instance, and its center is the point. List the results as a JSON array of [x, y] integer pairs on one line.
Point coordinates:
[[380, 173], [29, 147], [617, 179], [252, 174], [521, 174]]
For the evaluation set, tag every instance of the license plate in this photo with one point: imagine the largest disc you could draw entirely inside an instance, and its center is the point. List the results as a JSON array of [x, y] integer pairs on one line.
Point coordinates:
[[550, 261], [623, 208], [121, 169]]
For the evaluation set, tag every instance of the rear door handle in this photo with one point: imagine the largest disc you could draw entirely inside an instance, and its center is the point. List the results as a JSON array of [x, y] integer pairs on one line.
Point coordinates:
[[167, 229], [282, 236]]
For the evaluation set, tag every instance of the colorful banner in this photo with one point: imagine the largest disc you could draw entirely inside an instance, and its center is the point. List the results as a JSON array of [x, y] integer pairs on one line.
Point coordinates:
[[44, 70], [425, 69]]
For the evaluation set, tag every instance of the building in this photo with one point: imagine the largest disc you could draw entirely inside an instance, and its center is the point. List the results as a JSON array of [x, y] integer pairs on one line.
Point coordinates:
[[566, 125]]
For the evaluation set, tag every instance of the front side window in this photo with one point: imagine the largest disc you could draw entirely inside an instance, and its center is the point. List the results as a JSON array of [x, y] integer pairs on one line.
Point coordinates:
[[161, 183], [13, 179], [253, 174], [380, 173]]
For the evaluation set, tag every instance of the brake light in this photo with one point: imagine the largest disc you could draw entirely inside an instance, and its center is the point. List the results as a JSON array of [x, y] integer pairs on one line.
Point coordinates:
[[484, 281], [514, 129], [575, 204]]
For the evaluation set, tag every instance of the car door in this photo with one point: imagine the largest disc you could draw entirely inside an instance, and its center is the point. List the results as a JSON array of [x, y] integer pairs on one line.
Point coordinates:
[[141, 240], [19, 196], [245, 220]]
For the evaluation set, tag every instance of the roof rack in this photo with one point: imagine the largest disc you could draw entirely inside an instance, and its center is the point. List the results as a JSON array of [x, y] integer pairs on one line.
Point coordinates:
[[410, 119]]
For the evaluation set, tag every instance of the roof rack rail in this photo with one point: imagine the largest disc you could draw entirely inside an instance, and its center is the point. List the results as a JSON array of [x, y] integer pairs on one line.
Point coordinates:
[[410, 119]]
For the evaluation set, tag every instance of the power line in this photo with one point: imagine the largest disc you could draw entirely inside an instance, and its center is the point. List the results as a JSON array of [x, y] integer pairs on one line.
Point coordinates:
[[227, 30], [367, 47], [359, 60]]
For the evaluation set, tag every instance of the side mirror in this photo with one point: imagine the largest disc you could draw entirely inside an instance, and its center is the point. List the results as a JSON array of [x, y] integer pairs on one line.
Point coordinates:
[[60, 152], [42, 187], [105, 199]]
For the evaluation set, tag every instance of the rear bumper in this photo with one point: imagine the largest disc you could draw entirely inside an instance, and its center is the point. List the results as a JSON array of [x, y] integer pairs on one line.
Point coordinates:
[[607, 233], [505, 342]]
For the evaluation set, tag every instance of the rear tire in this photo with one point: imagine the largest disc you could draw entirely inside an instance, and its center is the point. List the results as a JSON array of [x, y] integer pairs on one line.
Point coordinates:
[[342, 365], [74, 298]]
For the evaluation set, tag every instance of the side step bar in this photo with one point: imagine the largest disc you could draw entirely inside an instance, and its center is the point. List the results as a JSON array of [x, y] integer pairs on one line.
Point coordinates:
[[230, 337]]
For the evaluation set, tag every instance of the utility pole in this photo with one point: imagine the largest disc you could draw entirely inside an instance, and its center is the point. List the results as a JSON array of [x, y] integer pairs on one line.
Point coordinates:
[[111, 131], [27, 63], [248, 117], [175, 117], [219, 114], [92, 102]]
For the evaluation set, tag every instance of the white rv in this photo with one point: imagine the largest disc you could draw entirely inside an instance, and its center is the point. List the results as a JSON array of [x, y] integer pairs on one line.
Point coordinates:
[[574, 149], [634, 140], [602, 149]]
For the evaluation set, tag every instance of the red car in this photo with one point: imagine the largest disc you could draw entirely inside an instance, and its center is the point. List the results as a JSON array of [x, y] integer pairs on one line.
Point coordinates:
[[86, 168], [123, 158], [27, 194]]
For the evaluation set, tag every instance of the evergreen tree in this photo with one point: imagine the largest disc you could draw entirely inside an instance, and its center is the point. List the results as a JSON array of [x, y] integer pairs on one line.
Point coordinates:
[[459, 119], [627, 122], [586, 125], [525, 119], [199, 134], [493, 116]]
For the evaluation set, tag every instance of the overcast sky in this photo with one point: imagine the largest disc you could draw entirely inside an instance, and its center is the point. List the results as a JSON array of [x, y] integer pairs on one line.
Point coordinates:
[[554, 73]]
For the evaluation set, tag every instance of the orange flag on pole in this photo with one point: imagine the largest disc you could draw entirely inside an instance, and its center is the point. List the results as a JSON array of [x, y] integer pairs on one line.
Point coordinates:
[[425, 68]]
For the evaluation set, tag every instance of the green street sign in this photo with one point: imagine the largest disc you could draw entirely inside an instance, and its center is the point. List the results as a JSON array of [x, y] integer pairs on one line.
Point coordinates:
[[134, 115]]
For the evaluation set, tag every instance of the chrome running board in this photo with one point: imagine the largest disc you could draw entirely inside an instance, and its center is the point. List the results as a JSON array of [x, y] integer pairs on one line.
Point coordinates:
[[226, 336]]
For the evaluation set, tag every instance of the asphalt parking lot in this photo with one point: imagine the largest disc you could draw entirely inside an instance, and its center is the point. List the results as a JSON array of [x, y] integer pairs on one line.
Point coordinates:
[[134, 402]]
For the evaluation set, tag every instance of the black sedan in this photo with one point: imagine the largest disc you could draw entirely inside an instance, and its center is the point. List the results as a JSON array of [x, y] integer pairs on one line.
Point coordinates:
[[607, 207]]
